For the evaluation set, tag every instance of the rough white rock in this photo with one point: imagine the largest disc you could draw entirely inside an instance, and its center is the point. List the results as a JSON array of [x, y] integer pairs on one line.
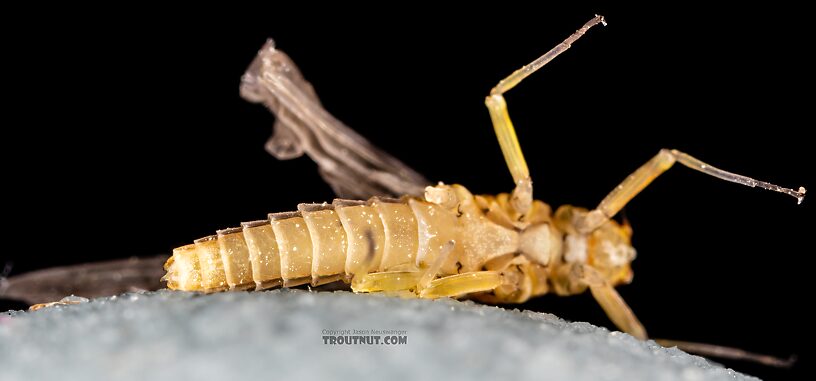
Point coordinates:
[[279, 335]]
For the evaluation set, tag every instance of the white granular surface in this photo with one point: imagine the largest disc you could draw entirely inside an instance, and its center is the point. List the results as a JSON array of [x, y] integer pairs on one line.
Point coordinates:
[[280, 335]]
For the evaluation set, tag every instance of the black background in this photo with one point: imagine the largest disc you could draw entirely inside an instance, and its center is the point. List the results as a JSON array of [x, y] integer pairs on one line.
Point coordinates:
[[128, 137]]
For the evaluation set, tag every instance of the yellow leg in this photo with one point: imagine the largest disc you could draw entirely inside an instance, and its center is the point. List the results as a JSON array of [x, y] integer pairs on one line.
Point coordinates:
[[461, 284], [612, 303], [644, 175], [393, 281], [424, 283], [623, 317], [433, 270], [388, 281], [506, 134], [404, 282]]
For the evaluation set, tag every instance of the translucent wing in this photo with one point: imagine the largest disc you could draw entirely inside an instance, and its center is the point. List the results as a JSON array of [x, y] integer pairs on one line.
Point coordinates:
[[348, 162], [88, 280]]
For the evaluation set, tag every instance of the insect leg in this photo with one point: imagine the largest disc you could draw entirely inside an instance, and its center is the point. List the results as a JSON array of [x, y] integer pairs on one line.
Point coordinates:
[[461, 284], [612, 303], [390, 281], [458, 284], [619, 312], [506, 134], [429, 274], [644, 175], [387, 281], [424, 282]]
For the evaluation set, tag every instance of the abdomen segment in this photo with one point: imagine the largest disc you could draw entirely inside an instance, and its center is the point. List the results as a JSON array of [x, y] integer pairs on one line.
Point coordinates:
[[319, 243]]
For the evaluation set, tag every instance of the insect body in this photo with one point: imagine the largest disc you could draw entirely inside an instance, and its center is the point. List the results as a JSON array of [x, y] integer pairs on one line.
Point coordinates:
[[442, 242], [450, 232]]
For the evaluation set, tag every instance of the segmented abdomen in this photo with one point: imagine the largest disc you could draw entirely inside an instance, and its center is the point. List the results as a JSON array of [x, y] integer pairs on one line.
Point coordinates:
[[319, 243]]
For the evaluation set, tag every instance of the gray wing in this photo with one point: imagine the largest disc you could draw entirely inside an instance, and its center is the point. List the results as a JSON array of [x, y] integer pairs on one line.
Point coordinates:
[[348, 162], [88, 280]]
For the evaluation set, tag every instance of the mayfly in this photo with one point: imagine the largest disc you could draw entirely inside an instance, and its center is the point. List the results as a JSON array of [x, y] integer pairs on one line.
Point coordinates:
[[431, 241]]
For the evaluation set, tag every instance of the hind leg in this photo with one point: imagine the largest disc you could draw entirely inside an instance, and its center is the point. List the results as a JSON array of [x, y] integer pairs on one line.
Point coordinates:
[[612, 303], [424, 283]]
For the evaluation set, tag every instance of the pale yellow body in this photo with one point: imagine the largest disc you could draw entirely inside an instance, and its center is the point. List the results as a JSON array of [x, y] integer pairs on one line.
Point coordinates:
[[322, 243]]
